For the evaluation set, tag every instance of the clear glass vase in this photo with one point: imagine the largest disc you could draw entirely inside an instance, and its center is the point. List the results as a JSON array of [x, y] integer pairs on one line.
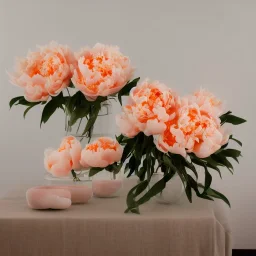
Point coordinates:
[[173, 191], [107, 184], [103, 127]]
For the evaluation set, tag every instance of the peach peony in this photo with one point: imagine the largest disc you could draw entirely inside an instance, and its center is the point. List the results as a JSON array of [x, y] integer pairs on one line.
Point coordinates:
[[172, 139], [194, 131], [150, 106], [101, 153], [74, 147], [58, 163], [101, 71], [207, 102], [45, 72], [67, 157]]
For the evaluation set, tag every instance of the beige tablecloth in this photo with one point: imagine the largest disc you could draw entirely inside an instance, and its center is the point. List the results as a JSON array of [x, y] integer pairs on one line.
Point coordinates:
[[100, 228]]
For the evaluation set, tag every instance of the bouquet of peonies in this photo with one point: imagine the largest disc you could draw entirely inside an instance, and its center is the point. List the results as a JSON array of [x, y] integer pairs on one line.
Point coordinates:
[[88, 78], [160, 131]]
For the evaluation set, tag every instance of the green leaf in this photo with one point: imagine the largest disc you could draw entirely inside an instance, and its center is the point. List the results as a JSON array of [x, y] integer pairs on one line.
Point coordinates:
[[188, 192], [167, 161], [26, 111], [237, 141], [222, 117], [214, 193], [78, 113], [14, 100], [135, 210], [234, 153], [223, 160], [142, 173], [235, 120], [155, 189], [141, 188], [128, 149], [94, 170], [48, 110], [92, 117], [130, 198], [208, 178], [213, 165], [126, 89]]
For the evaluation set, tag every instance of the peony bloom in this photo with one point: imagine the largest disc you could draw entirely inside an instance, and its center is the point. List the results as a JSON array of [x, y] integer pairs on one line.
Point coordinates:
[[207, 102], [203, 135], [45, 72], [58, 163], [171, 140], [73, 146], [127, 127], [67, 157], [101, 71], [101, 153], [150, 106]]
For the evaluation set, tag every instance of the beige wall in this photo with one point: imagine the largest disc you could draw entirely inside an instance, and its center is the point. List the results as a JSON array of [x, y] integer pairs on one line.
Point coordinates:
[[185, 44]]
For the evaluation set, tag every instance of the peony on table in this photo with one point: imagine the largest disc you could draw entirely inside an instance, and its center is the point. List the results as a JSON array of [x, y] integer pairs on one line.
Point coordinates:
[[101, 228]]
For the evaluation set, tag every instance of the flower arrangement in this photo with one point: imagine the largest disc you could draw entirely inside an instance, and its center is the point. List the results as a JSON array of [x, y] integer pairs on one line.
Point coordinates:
[[94, 75], [160, 131]]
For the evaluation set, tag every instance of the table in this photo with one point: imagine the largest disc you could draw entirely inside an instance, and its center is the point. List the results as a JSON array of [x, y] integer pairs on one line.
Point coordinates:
[[100, 228]]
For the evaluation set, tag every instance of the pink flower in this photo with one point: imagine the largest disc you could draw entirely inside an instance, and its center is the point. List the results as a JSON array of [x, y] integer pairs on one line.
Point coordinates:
[[127, 127], [203, 135], [45, 72], [58, 163], [67, 157], [101, 153], [74, 147], [207, 102], [196, 128], [150, 106], [171, 140], [101, 71]]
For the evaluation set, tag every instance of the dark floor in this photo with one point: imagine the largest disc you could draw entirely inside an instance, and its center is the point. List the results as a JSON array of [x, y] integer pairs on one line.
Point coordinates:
[[244, 253]]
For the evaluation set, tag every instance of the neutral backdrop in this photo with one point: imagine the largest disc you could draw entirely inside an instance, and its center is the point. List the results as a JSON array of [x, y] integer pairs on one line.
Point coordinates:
[[185, 44]]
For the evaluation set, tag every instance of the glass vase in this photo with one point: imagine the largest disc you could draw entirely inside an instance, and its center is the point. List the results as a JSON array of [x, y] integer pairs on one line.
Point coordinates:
[[103, 127], [107, 184], [173, 191]]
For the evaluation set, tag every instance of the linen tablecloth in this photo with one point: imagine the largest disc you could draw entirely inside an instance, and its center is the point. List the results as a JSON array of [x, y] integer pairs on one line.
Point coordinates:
[[101, 228]]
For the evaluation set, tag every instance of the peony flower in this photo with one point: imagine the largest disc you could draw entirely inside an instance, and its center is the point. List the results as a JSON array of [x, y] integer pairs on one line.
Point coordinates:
[[150, 106], [203, 134], [67, 157], [58, 163], [101, 153], [73, 146], [101, 71], [207, 102], [171, 140], [127, 127], [45, 72]]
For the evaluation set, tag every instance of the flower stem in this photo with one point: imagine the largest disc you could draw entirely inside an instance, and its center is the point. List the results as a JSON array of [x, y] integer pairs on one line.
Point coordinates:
[[75, 178], [68, 92], [79, 126]]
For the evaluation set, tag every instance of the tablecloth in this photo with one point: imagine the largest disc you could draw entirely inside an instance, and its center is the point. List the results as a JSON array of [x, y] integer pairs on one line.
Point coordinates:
[[101, 228]]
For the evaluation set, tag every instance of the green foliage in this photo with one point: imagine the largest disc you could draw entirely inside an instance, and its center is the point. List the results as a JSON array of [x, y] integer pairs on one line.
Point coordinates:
[[95, 170], [141, 155], [51, 107], [126, 89], [228, 118], [20, 100]]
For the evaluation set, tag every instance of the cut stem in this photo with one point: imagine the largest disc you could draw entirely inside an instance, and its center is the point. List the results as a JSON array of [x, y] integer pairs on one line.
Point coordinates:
[[75, 178]]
